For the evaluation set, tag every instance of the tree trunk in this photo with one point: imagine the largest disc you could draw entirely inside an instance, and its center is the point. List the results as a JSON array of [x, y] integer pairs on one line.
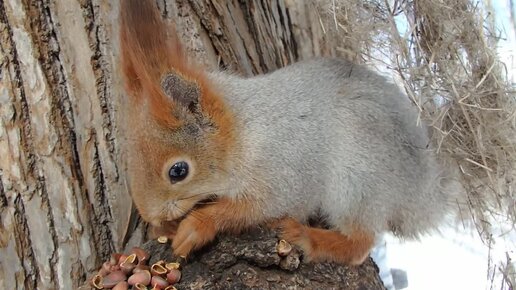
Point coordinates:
[[64, 201]]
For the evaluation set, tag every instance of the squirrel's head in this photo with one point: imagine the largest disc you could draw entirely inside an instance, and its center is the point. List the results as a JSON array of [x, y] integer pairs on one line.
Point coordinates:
[[179, 132]]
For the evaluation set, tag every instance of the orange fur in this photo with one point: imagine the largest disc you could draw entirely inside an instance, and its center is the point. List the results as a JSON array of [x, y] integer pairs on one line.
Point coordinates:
[[320, 245], [201, 225], [146, 56], [150, 50]]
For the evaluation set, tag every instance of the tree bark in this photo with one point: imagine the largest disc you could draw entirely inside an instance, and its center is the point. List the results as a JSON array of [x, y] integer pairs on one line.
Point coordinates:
[[250, 261], [64, 200]]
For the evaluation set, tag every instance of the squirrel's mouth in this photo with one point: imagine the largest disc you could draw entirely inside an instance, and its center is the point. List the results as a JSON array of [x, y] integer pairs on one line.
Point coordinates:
[[177, 214], [201, 203]]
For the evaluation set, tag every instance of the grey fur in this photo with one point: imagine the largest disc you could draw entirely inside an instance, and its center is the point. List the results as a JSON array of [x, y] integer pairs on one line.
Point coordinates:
[[328, 135]]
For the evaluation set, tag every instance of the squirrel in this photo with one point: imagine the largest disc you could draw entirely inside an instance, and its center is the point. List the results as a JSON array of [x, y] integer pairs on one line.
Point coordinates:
[[321, 136]]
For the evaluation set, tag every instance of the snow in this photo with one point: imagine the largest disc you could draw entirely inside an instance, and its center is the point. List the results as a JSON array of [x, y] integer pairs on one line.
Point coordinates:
[[454, 261]]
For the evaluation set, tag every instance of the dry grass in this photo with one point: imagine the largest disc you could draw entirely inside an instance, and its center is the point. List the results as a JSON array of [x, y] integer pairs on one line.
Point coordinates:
[[444, 56]]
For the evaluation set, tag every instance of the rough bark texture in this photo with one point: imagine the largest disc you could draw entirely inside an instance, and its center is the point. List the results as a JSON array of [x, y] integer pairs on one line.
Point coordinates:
[[64, 201], [250, 261]]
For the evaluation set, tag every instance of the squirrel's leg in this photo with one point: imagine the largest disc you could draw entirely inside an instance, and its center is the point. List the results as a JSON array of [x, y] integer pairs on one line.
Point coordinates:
[[201, 225], [321, 245]]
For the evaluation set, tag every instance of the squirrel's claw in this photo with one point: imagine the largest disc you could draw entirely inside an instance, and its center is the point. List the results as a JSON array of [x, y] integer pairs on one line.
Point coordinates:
[[293, 232]]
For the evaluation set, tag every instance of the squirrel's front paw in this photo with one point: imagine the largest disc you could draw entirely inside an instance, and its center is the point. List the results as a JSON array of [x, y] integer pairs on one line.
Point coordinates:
[[193, 233]]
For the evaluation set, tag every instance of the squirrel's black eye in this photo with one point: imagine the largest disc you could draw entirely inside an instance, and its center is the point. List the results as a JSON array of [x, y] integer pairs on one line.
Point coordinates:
[[178, 171]]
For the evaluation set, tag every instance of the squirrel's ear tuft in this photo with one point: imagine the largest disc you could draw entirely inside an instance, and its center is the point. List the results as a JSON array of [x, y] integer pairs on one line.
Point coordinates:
[[149, 50], [184, 92], [156, 69]]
